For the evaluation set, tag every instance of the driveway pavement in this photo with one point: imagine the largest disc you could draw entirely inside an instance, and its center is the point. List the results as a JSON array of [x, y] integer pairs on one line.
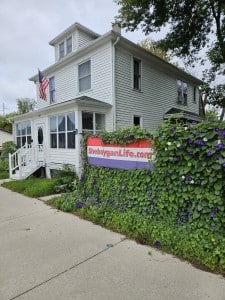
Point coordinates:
[[49, 255]]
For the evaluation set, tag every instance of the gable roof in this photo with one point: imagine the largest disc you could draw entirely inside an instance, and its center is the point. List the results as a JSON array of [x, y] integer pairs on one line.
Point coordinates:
[[114, 36], [182, 114], [70, 30]]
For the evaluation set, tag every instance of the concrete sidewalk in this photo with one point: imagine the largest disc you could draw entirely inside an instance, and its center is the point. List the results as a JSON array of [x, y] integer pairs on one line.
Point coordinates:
[[46, 254]]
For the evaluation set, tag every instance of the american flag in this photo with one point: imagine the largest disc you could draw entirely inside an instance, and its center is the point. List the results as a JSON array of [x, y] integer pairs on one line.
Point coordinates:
[[43, 84]]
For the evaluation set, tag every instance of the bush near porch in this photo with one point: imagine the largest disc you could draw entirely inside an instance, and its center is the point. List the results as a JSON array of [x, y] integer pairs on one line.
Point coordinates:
[[179, 207]]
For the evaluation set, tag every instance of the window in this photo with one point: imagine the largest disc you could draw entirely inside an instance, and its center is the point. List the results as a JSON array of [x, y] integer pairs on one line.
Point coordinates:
[[137, 121], [93, 121], [23, 133], [194, 94], [181, 92], [61, 50], [137, 74], [84, 76], [62, 131], [52, 89], [69, 45]]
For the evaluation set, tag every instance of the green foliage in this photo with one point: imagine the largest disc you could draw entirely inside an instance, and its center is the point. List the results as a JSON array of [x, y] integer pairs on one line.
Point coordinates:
[[5, 124], [32, 187], [66, 179], [8, 147], [25, 105], [123, 136], [190, 24], [179, 207]]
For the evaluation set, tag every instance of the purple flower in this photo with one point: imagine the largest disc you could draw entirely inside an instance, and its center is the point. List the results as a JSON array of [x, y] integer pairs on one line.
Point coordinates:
[[173, 129], [175, 158], [222, 134], [200, 143], [167, 188], [216, 209], [79, 205], [209, 153], [182, 183], [211, 215], [157, 244], [180, 147], [223, 165], [168, 174], [189, 141], [219, 146], [196, 133], [190, 153], [213, 227], [216, 129]]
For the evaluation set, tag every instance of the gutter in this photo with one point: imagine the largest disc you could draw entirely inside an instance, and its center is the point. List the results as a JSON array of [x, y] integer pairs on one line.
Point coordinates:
[[113, 81]]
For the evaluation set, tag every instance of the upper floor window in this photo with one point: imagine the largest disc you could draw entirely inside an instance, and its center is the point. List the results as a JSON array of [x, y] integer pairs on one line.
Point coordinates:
[[136, 74], [181, 92], [61, 50], [84, 76], [194, 94], [69, 45], [52, 89]]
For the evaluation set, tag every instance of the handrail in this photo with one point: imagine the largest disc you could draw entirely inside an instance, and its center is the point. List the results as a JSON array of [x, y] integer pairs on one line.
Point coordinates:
[[24, 156]]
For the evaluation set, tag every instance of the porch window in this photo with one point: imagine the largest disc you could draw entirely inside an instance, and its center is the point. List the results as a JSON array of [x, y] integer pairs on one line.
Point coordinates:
[[23, 133], [181, 92], [52, 89], [93, 122], [84, 76], [62, 131]]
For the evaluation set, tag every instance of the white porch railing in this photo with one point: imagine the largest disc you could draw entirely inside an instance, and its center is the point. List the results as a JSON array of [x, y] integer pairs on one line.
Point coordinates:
[[26, 160]]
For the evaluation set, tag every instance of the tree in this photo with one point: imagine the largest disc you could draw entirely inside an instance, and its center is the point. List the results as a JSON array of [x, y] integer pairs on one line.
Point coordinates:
[[25, 105], [190, 24], [153, 47]]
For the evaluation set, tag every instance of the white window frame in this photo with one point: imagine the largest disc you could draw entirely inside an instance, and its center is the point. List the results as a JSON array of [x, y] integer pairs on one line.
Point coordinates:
[[140, 120], [69, 38], [182, 92], [85, 76], [62, 50], [94, 130], [52, 89], [139, 75], [66, 131]]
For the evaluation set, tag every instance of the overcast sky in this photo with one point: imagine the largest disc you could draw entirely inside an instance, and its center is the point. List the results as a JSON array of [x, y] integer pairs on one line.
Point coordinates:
[[26, 27]]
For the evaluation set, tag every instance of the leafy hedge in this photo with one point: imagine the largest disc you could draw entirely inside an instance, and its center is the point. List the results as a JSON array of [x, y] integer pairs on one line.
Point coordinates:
[[179, 206]]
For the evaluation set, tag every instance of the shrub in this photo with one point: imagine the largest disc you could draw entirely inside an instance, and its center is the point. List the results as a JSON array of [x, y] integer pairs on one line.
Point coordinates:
[[65, 179]]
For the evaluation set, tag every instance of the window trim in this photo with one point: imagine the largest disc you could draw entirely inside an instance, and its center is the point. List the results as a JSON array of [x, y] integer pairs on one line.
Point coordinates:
[[62, 50], [52, 90], [69, 38], [94, 130], [140, 120], [65, 132], [86, 76], [21, 136], [139, 75], [182, 92]]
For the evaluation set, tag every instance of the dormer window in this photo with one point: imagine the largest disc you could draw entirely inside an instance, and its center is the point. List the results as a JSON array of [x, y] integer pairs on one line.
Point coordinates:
[[69, 45], [61, 50]]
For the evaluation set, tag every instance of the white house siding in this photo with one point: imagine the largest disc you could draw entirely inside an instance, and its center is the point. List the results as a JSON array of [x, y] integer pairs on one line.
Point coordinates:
[[158, 92], [5, 137], [83, 38], [66, 78]]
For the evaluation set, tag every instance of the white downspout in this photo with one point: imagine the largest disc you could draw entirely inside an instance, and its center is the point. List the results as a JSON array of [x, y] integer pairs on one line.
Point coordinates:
[[113, 83]]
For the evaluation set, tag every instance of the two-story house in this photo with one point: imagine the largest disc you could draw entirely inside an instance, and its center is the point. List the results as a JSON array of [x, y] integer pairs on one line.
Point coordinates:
[[97, 82]]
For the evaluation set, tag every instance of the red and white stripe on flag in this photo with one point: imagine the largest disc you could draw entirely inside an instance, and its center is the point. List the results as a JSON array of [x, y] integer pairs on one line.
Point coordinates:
[[43, 84]]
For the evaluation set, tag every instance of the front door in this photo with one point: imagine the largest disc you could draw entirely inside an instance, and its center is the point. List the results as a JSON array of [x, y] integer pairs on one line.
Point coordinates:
[[40, 140]]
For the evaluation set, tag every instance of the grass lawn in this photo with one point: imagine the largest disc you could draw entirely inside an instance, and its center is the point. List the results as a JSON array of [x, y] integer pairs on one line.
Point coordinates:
[[32, 187]]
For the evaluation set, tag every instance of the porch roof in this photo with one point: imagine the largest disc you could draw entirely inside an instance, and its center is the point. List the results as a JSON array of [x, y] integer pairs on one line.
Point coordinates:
[[80, 101], [182, 114]]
